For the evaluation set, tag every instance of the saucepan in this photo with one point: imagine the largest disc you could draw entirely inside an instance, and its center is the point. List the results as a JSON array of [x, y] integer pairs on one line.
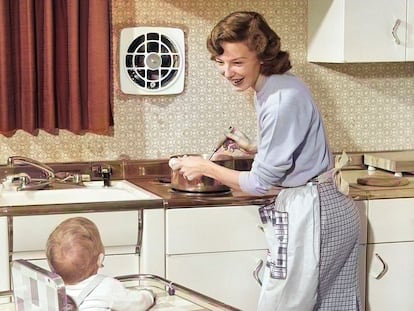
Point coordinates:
[[204, 184]]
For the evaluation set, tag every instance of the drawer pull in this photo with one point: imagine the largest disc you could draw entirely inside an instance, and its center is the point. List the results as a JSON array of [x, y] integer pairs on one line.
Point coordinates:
[[384, 269], [256, 272], [394, 31]]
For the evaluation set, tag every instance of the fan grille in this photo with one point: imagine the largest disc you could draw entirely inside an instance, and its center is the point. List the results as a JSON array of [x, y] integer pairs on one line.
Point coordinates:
[[152, 61]]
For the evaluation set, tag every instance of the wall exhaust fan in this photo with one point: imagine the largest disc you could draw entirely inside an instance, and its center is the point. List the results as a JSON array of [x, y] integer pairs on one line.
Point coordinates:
[[152, 60]]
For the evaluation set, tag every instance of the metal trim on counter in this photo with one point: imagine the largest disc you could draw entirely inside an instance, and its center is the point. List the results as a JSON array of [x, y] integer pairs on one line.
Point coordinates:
[[110, 206], [138, 246]]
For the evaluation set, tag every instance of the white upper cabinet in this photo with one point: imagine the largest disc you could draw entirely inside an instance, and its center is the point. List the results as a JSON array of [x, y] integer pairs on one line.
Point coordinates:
[[341, 31]]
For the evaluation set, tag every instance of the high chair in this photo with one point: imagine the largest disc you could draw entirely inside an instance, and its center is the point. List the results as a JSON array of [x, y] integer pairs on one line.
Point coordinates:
[[36, 289]]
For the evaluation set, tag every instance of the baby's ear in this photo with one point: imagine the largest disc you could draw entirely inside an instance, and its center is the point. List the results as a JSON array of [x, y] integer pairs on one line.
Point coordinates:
[[100, 261], [51, 267]]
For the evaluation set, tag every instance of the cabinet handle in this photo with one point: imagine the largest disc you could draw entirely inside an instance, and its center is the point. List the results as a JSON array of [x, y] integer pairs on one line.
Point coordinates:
[[384, 267], [257, 270], [138, 246], [394, 31]]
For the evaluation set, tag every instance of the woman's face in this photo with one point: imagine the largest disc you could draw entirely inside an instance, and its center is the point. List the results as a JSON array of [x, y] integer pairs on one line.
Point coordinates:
[[239, 65]]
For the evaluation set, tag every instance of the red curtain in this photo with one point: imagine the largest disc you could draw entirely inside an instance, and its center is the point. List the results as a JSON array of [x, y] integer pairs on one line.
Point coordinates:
[[55, 68]]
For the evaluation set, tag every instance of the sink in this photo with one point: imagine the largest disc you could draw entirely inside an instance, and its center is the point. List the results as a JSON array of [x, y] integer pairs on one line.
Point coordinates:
[[93, 191]]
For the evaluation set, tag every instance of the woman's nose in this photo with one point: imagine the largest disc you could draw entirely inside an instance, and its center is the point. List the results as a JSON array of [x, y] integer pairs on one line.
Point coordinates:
[[227, 72]]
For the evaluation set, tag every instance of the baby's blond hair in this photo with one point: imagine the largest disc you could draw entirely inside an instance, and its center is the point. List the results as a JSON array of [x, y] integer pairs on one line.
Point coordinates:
[[73, 249]]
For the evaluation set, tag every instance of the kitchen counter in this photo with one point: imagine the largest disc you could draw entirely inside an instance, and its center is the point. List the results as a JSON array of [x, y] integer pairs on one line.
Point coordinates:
[[159, 185], [174, 199]]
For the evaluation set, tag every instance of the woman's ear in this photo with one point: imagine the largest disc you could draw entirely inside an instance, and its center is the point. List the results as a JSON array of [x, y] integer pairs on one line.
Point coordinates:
[[101, 258]]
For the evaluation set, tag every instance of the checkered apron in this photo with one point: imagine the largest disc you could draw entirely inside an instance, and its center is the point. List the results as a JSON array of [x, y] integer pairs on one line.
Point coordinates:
[[312, 233]]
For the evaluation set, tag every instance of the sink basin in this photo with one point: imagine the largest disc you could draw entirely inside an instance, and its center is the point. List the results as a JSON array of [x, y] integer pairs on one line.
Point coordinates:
[[94, 191]]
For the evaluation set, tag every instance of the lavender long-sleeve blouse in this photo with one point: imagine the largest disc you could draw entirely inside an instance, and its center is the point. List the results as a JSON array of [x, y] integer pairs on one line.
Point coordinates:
[[292, 146]]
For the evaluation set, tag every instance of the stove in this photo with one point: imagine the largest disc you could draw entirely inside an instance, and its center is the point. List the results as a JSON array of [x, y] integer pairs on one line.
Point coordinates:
[[166, 181]]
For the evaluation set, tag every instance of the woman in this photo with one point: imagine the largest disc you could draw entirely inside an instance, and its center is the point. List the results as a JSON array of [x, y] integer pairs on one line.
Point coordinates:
[[312, 228]]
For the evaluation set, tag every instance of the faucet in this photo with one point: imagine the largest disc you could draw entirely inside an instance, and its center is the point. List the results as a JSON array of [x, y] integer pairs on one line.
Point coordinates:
[[24, 181], [104, 171]]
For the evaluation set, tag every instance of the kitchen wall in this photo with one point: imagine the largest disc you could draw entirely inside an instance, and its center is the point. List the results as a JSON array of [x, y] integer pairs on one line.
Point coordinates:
[[366, 107]]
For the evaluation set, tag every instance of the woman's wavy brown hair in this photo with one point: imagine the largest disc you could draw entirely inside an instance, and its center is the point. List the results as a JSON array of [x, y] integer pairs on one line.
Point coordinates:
[[250, 27]]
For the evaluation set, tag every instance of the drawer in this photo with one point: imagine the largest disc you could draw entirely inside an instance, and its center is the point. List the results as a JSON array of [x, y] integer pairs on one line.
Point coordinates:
[[213, 229], [391, 220], [30, 233]]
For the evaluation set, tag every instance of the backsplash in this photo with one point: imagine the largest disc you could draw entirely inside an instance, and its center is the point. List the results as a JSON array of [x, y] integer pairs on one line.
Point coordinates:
[[366, 107]]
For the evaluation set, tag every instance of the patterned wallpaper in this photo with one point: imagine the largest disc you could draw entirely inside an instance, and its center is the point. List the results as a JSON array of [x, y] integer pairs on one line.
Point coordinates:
[[366, 107]]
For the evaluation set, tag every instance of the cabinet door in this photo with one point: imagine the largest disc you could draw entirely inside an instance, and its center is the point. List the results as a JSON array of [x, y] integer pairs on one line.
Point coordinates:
[[152, 255], [4, 255], [390, 280], [368, 30], [357, 31], [118, 230], [391, 220], [226, 276], [114, 265], [214, 229]]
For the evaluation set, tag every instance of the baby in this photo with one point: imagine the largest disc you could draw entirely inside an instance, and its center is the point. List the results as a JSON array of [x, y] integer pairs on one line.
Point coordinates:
[[75, 251]]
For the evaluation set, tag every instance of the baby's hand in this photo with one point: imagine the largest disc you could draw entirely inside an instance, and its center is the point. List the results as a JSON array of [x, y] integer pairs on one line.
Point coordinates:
[[153, 295]]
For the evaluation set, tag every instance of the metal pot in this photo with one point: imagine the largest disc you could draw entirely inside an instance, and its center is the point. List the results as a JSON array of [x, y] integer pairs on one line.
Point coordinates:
[[204, 184]]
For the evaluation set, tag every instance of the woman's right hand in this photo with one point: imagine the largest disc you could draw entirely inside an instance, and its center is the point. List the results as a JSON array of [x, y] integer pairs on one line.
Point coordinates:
[[238, 140]]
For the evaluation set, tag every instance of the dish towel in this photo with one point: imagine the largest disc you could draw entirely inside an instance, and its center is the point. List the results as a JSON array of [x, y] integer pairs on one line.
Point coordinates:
[[335, 174]]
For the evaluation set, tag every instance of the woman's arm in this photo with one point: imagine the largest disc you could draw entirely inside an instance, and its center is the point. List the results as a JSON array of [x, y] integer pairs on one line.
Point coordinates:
[[195, 167]]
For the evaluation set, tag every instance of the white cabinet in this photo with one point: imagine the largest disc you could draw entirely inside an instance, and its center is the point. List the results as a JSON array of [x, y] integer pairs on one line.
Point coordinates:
[[341, 31], [133, 240], [152, 253], [215, 250], [4, 255], [390, 254]]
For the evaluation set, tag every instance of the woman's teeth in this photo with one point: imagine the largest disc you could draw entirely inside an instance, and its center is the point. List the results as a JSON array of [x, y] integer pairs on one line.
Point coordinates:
[[236, 82]]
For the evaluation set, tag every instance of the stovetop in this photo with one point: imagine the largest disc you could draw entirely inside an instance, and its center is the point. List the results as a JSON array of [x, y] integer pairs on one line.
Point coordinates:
[[173, 198]]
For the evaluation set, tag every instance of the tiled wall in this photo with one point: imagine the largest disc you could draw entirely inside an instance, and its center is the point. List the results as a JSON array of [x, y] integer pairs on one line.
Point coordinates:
[[366, 107]]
